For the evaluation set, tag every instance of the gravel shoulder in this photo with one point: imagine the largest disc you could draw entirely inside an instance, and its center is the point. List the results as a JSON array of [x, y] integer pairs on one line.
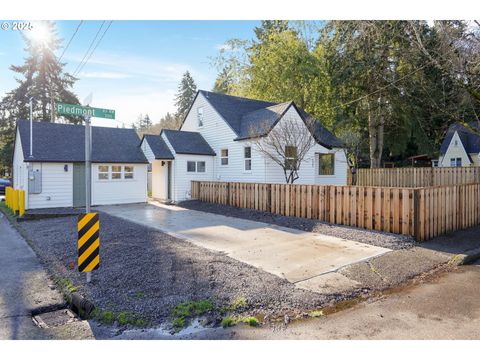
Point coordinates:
[[376, 238], [146, 272]]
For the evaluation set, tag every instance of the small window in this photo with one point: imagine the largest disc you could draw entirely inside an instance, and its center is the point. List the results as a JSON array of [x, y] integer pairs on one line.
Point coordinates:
[[290, 157], [200, 116], [200, 166], [191, 166], [326, 164], [224, 156], [116, 172], [452, 162], [455, 143], [128, 172], [459, 162], [247, 154], [102, 172]]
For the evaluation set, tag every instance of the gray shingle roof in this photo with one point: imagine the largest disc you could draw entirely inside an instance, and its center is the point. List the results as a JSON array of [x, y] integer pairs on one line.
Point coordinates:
[[247, 116], [66, 143], [188, 142], [159, 147], [470, 139]]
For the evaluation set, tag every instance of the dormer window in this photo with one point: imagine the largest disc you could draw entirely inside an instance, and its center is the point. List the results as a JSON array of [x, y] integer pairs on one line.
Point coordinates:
[[200, 116]]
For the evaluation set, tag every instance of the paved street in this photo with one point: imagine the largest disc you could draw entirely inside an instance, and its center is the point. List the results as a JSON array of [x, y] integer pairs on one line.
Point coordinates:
[[24, 287]]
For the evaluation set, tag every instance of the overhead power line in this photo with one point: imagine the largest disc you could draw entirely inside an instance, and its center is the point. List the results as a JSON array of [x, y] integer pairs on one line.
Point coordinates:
[[70, 41], [88, 50], [98, 43]]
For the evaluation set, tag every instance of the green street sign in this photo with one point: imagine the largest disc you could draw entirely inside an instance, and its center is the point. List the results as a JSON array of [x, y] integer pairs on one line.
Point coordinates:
[[78, 110]]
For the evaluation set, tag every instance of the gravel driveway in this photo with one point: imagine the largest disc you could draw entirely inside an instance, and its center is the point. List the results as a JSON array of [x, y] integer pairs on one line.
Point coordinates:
[[146, 272], [376, 238]]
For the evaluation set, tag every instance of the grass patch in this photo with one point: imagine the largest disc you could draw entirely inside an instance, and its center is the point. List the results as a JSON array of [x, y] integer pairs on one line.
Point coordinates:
[[188, 309], [66, 284], [139, 295], [123, 318], [9, 213], [229, 321]]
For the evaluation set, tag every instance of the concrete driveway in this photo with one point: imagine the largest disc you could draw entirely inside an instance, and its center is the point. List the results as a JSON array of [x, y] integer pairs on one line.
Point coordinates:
[[295, 255]]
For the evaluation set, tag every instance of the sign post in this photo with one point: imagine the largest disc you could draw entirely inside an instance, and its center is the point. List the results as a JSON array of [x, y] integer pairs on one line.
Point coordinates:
[[88, 231]]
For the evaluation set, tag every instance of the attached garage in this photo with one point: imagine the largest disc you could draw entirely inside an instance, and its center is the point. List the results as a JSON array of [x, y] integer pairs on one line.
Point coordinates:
[[54, 176]]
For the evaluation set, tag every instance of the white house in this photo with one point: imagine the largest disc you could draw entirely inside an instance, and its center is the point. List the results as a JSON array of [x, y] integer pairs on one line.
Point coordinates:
[[54, 176], [215, 142], [461, 146]]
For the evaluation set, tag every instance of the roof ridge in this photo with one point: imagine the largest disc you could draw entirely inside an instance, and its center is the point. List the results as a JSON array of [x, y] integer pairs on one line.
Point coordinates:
[[237, 97], [60, 124]]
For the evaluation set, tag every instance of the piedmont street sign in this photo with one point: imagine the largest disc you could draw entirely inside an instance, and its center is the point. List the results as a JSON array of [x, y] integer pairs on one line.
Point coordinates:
[[78, 110]]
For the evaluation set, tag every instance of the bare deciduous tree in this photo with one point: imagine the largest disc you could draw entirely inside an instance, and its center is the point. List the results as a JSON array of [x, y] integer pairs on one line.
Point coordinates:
[[287, 145]]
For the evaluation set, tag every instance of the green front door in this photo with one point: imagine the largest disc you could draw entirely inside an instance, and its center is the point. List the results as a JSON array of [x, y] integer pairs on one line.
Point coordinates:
[[79, 185]]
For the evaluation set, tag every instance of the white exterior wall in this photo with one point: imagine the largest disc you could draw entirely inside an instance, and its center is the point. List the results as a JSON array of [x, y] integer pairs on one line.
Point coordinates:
[[182, 179], [57, 186], [122, 191], [20, 169], [220, 136], [159, 180], [455, 152]]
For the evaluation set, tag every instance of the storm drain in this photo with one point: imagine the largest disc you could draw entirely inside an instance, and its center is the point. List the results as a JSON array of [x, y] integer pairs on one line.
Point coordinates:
[[54, 318]]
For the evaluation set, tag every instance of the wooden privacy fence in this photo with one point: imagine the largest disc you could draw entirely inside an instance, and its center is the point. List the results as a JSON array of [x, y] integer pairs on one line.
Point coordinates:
[[419, 212], [416, 177]]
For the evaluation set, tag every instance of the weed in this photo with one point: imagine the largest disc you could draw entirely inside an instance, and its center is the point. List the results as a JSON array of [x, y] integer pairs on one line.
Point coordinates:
[[108, 317], [188, 309], [316, 313], [251, 321], [139, 295], [123, 318], [229, 321], [238, 303]]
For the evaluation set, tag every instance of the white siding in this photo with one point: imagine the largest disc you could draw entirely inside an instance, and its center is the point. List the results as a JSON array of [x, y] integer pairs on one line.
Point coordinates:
[[147, 151], [453, 151], [159, 180], [20, 169], [57, 186], [122, 191], [182, 179]]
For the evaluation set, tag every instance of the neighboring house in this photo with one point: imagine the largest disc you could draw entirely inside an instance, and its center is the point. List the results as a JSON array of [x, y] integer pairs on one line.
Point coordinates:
[[461, 146], [215, 143], [55, 175]]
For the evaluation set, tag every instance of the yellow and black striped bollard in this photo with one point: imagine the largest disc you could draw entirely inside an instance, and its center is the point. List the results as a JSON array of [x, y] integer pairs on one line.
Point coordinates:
[[88, 242]]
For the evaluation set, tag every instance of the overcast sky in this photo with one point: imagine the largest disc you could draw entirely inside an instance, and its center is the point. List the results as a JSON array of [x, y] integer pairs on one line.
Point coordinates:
[[137, 65]]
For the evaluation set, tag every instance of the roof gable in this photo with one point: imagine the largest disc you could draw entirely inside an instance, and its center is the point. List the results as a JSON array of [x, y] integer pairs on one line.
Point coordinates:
[[159, 147], [470, 137], [53, 142]]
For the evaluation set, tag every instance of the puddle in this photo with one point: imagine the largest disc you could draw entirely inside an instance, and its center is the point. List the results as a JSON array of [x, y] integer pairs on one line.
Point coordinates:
[[54, 318]]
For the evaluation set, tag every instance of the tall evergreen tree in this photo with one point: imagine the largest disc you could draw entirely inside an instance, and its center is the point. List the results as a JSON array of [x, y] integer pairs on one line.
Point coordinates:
[[40, 77], [185, 95]]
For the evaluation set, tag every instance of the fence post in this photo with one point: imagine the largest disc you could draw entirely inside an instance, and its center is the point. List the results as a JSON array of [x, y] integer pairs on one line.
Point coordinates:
[[416, 214]]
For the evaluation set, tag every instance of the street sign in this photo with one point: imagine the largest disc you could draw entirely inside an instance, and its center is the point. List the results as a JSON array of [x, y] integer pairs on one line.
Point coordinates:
[[88, 242], [85, 111]]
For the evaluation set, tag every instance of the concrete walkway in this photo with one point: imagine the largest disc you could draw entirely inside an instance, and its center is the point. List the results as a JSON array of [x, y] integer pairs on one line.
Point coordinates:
[[298, 256], [25, 287]]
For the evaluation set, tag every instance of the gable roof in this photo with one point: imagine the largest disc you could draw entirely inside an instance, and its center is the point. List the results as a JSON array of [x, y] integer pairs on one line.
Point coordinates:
[[249, 116], [159, 147], [53, 142], [188, 142], [470, 138]]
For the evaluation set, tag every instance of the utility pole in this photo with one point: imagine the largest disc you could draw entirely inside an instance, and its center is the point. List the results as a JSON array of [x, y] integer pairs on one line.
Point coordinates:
[[52, 105], [88, 177], [31, 126]]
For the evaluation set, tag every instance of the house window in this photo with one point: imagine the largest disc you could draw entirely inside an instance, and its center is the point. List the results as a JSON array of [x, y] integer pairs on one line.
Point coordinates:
[[191, 166], [434, 163], [116, 172], [459, 162], [452, 162], [247, 154], [128, 172], [201, 166], [102, 172], [200, 116], [456, 143], [326, 164], [224, 157], [290, 157]]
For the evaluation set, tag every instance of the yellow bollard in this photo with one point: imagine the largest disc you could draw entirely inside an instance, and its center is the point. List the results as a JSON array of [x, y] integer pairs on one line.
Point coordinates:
[[15, 201], [21, 201], [8, 196]]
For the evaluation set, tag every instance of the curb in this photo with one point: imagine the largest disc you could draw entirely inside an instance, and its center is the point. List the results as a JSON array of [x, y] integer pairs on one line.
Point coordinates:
[[467, 258]]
